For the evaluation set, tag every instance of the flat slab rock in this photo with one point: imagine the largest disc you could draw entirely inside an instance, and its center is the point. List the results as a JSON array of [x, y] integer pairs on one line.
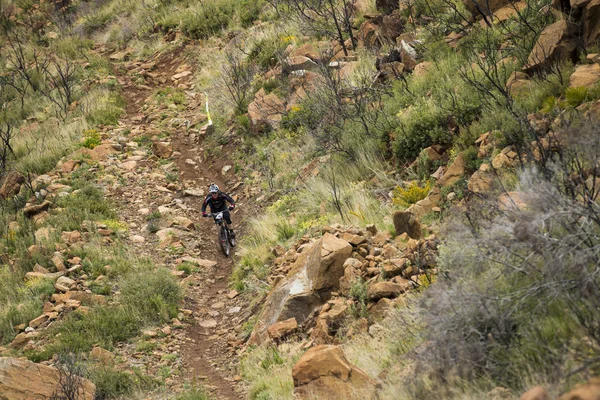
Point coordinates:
[[25, 380]]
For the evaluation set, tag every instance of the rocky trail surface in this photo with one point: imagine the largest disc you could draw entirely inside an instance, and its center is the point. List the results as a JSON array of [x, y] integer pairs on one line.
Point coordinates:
[[172, 178]]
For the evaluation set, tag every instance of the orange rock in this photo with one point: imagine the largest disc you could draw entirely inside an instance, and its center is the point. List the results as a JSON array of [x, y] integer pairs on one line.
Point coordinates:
[[282, 328], [587, 391], [324, 372], [536, 393], [24, 380]]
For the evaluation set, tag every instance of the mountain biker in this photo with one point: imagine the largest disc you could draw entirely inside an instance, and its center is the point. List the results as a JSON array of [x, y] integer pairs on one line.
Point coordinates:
[[217, 202]]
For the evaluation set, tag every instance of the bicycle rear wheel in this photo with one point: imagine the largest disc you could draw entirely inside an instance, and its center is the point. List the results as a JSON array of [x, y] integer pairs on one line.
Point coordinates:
[[224, 240]]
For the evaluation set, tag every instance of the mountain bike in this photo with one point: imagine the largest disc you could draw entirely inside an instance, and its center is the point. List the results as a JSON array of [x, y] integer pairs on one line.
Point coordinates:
[[225, 240]]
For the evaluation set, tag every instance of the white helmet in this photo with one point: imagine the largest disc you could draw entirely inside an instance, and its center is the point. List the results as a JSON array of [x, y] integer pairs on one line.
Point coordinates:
[[213, 189]]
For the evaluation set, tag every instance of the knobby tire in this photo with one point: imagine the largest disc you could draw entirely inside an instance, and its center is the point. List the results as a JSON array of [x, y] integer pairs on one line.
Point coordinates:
[[224, 240]]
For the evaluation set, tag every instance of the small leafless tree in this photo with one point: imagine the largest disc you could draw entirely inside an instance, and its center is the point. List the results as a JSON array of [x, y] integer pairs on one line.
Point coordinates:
[[236, 79], [9, 121], [325, 18], [39, 69], [71, 379], [342, 111]]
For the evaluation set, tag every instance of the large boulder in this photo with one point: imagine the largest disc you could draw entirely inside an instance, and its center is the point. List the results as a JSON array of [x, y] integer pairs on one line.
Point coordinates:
[[312, 277], [556, 43], [24, 380], [323, 372], [454, 171], [585, 76], [265, 112], [11, 185], [405, 221], [481, 181], [591, 23]]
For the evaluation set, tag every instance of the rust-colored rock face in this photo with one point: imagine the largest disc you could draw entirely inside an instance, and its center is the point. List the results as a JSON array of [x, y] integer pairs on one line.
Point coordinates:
[[25, 380], [316, 272], [557, 42], [323, 372]]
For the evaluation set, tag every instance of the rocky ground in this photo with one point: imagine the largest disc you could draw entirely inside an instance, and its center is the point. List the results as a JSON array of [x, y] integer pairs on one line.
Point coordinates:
[[154, 164]]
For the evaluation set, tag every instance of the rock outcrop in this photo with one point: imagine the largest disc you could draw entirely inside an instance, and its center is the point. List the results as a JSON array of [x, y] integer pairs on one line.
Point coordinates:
[[11, 184], [585, 76], [313, 276], [557, 42], [25, 380], [265, 112]]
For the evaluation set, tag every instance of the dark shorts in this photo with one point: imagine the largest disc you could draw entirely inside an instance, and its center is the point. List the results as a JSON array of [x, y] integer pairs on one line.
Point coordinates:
[[226, 214]]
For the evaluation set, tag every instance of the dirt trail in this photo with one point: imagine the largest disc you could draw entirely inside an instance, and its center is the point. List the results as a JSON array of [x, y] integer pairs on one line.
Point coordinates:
[[210, 344]]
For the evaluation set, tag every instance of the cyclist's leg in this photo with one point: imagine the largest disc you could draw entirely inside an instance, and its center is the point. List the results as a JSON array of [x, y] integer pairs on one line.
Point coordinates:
[[229, 224], [227, 218]]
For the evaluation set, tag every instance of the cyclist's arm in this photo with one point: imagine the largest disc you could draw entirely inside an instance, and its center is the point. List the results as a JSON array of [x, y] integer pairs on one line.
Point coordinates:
[[205, 203], [229, 199]]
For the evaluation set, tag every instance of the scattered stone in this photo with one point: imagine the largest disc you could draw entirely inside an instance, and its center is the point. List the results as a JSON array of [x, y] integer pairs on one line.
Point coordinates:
[[30, 211], [137, 239], [194, 192], [317, 270], [405, 221], [378, 290], [103, 356], [71, 237], [208, 324], [162, 149], [183, 222], [282, 328]]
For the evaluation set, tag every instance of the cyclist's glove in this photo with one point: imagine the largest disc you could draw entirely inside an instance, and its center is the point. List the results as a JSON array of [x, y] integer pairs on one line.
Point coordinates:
[[231, 207]]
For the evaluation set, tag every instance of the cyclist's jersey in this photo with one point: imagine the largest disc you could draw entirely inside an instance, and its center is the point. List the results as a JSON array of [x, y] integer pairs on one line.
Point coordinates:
[[218, 204]]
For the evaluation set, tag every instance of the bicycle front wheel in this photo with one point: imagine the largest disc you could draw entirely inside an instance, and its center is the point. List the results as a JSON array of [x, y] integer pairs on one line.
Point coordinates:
[[224, 240]]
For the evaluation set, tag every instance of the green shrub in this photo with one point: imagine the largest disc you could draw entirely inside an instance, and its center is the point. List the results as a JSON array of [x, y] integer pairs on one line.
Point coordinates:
[[285, 230], [193, 394], [186, 267], [100, 288], [152, 295], [103, 326], [405, 197], [249, 11], [91, 138], [111, 384], [358, 293], [108, 110], [265, 50], [575, 96], [88, 203], [472, 162], [207, 19]]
